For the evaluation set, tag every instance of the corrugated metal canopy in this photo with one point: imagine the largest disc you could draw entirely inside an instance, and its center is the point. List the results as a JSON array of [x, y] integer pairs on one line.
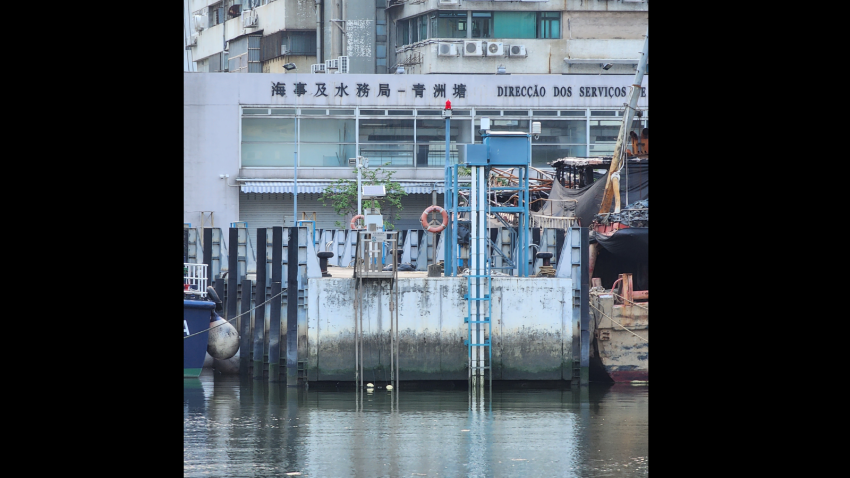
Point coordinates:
[[308, 186]]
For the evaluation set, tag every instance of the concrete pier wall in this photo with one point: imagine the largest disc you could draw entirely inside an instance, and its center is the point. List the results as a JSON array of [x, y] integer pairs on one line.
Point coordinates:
[[531, 328]]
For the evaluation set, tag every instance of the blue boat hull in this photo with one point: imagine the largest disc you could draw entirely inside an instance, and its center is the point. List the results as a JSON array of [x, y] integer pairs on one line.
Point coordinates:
[[196, 318]]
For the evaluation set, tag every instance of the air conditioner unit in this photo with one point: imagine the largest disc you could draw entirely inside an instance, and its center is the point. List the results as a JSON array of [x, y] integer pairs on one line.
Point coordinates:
[[249, 19], [472, 48], [332, 64], [343, 64], [495, 48], [446, 49], [193, 41], [283, 50], [317, 68], [517, 50], [200, 22]]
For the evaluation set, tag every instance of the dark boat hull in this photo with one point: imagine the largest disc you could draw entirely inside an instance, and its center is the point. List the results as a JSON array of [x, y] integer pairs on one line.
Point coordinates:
[[196, 318]]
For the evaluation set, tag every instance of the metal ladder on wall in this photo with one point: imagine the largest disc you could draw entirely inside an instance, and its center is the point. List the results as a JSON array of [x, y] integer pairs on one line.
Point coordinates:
[[479, 284]]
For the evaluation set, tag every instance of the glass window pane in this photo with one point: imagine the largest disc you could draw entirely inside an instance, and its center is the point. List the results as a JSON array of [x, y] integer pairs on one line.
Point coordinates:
[[555, 131], [342, 112], [327, 130], [255, 111], [423, 27], [428, 113], [603, 136], [482, 24], [268, 155], [383, 130], [452, 25], [602, 113], [573, 113], [433, 20], [388, 155], [549, 25], [544, 113], [288, 111], [402, 33], [428, 130], [431, 141], [305, 111], [380, 51], [514, 24], [325, 155], [488, 113], [373, 112], [541, 155], [400, 112], [502, 125], [268, 129]]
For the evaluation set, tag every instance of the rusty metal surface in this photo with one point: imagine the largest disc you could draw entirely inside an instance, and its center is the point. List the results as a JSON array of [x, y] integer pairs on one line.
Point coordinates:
[[622, 337]]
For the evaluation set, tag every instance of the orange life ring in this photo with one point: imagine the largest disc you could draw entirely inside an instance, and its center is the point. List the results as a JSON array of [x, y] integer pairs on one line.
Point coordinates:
[[354, 219], [424, 219]]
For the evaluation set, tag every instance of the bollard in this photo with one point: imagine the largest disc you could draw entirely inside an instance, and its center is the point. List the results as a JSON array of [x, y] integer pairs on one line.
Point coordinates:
[[323, 262]]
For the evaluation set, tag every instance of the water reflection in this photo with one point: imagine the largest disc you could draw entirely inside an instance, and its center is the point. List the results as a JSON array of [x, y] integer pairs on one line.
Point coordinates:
[[236, 427]]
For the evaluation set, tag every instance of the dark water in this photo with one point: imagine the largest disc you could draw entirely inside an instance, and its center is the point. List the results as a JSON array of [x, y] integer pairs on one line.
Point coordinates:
[[243, 428]]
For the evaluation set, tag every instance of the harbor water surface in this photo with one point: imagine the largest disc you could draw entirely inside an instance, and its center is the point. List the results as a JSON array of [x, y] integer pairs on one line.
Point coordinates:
[[243, 428]]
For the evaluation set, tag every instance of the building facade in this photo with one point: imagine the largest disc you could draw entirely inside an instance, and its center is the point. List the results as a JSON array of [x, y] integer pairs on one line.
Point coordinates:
[[418, 36], [245, 134]]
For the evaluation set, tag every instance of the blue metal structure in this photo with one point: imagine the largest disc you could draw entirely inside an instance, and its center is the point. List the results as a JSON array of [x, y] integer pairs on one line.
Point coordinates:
[[511, 149]]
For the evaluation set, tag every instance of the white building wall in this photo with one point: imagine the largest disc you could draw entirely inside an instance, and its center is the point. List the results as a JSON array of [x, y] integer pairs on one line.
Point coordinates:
[[211, 121]]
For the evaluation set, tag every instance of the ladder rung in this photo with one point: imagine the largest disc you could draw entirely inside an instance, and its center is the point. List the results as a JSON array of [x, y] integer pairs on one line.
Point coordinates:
[[467, 321]]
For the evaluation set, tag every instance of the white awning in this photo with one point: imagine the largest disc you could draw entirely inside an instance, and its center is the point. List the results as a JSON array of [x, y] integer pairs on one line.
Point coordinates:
[[308, 186]]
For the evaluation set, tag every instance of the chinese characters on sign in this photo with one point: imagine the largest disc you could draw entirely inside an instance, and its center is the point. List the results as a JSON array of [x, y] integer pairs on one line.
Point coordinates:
[[459, 90]]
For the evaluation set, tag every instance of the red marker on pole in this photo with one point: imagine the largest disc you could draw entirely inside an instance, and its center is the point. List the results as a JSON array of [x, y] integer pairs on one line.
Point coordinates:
[[448, 104]]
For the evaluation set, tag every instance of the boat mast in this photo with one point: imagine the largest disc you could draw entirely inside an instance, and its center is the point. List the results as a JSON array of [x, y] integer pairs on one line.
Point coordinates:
[[607, 198]]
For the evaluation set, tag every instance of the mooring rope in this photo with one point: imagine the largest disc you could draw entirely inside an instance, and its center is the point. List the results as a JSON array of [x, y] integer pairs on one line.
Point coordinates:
[[240, 315], [621, 325], [627, 300]]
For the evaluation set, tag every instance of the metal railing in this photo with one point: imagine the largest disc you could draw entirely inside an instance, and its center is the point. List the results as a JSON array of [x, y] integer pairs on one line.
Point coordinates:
[[195, 279]]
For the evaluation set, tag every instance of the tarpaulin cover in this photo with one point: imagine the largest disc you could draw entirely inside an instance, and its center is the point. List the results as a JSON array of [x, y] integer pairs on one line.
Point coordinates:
[[632, 242], [584, 203]]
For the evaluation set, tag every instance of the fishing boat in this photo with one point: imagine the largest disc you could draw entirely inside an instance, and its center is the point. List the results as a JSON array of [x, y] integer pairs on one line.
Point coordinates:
[[619, 260], [197, 312]]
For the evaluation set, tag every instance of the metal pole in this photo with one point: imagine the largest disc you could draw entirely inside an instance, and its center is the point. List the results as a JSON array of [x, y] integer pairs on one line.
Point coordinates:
[[295, 183], [607, 198], [448, 206], [359, 189]]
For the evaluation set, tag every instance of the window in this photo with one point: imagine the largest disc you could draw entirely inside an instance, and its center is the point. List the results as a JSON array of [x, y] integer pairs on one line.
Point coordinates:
[[526, 24], [431, 141], [268, 142], [603, 136], [423, 27], [482, 24], [451, 25], [402, 33], [549, 25], [514, 24]]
